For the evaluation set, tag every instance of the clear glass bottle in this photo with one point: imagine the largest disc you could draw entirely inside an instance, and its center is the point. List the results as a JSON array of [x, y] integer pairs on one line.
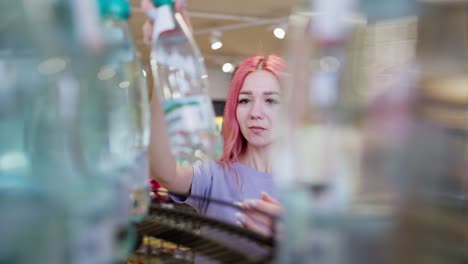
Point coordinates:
[[181, 84]]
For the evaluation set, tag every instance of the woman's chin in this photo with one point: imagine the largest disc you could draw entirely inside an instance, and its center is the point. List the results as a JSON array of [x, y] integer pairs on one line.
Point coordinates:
[[256, 143]]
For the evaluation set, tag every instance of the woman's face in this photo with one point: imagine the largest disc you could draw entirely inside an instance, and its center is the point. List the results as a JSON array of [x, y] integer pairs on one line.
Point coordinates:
[[258, 108]]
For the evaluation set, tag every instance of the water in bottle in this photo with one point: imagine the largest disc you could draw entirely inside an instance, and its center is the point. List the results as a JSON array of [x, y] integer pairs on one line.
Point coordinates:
[[181, 84], [129, 107], [335, 210], [433, 215], [122, 77], [53, 116]]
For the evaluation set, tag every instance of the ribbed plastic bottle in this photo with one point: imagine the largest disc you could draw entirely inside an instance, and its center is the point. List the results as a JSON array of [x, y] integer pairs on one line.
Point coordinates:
[[181, 83], [56, 207], [336, 211], [129, 113]]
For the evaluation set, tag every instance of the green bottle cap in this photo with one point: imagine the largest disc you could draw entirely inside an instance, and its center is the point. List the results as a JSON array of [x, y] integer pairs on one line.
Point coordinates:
[[102, 5], [118, 9], [163, 2]]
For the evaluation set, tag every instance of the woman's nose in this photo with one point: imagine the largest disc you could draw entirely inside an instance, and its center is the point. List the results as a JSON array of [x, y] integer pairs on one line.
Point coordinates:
[[256, 111]]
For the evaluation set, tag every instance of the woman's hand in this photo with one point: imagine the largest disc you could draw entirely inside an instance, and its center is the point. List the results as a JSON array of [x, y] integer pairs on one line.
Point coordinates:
[[147, 6], [261, 215]]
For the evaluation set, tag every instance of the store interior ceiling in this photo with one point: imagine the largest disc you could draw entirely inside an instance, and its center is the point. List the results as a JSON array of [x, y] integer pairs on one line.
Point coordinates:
[[245, 27]]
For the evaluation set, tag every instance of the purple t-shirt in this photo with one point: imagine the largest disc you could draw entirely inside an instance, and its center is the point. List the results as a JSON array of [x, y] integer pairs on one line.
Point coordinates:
[[211, 180]]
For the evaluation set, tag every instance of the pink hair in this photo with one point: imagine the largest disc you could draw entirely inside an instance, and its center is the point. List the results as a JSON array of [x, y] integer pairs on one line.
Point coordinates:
[[234, 142]]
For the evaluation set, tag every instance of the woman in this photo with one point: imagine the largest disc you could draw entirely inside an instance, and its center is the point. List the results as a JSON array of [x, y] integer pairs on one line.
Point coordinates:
[[243, 174]]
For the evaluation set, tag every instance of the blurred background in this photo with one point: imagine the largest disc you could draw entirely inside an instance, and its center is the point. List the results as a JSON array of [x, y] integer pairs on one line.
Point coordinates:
[[243, 27], [247, 27], [374, 167]]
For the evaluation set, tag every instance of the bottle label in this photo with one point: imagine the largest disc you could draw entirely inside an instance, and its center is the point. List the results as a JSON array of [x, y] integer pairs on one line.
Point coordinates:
[[163, 20], [189, 114]]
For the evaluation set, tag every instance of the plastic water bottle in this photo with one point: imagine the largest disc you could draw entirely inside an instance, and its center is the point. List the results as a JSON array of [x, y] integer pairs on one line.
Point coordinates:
[[26, 208], [181, 84], [69, 129], [433, 216], [130, 106], [56, 207], [336, 208], [122, 76], [139, 175], [316, 173]]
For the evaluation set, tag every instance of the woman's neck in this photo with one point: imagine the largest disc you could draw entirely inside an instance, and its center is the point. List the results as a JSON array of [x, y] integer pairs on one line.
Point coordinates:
[[257, 158]]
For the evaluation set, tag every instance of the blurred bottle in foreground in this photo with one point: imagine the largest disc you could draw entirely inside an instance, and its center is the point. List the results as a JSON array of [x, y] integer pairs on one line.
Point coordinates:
[[55, 201], [121, 76], [433, 215], [26, 209], [181, 84], [129, 108], [337, 210], [141, 198], [319, 172]]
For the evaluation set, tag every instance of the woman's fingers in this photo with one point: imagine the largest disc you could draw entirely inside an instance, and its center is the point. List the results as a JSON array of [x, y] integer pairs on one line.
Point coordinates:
[[259, 217], [247, 222], [179, 5], [262, 206], [266, 197], [147, 31], [147, 5]]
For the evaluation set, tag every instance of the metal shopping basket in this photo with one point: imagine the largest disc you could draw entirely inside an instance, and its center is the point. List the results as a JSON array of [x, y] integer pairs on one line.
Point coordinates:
[[171, 233]]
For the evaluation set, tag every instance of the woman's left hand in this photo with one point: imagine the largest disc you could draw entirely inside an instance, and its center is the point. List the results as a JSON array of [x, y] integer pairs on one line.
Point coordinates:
[[260, 215]]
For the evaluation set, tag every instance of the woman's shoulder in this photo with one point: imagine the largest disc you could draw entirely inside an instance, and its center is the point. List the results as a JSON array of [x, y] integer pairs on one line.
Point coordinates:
[[211, 166], [230, 167], [216, 167]]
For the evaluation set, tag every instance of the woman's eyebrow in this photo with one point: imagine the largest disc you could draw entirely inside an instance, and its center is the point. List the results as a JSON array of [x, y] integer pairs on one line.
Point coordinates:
[[270, 93], [265, 93]]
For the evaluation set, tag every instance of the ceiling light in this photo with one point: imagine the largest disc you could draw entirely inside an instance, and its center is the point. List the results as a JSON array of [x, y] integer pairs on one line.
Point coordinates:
[[216, 45], [215, 40], [228, 67], [279, 33]]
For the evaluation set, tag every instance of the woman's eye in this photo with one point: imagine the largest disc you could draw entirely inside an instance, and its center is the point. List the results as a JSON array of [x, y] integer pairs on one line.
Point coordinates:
[[244, 101], [271, 101]]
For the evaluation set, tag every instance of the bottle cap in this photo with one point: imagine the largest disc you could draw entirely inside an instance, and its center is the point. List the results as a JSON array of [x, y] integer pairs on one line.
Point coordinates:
[[159, 3], [118, 9]]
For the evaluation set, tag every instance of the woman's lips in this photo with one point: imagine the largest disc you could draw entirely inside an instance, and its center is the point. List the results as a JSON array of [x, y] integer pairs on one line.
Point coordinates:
[[257, 129]]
